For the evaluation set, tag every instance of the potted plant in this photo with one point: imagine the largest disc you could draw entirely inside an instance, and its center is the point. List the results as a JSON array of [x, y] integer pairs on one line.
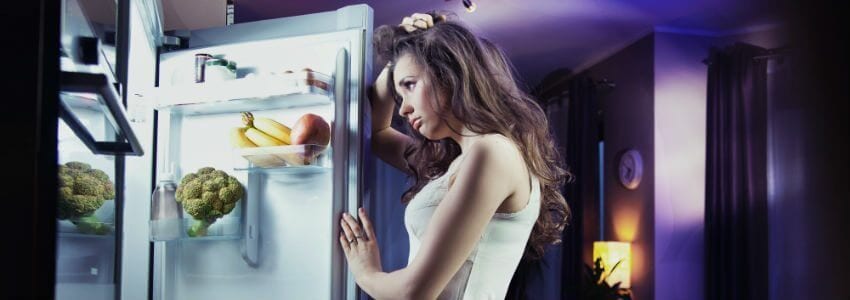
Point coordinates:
[[596, 288]]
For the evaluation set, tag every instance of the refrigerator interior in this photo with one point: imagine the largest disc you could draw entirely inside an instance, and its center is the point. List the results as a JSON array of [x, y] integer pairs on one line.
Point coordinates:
[[279, 238], [85, 262]]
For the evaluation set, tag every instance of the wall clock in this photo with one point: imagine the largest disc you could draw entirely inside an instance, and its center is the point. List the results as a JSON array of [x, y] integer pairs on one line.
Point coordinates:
[[630, 169]]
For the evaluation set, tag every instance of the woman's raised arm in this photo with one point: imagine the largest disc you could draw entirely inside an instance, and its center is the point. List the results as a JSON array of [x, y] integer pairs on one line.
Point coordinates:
[[387, 143]]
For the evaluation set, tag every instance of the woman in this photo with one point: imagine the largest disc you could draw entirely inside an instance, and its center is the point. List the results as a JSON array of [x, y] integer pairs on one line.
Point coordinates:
[[485, 169]]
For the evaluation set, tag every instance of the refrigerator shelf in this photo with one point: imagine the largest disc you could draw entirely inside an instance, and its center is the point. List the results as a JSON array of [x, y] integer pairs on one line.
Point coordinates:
[[65, 228], [287, 159], [281, 91], [228, 227], [302, 170], [78, 91], [73, 235], [81, 101]]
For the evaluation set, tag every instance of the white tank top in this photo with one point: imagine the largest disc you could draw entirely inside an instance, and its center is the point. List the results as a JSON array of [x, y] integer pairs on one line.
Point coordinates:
[[488, 270]]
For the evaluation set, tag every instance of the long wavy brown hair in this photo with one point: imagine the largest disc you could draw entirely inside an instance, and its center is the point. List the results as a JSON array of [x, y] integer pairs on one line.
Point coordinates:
[[483, 93]]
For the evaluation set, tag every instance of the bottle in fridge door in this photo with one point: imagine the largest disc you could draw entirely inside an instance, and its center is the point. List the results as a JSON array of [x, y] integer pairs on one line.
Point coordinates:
[[166, 222]]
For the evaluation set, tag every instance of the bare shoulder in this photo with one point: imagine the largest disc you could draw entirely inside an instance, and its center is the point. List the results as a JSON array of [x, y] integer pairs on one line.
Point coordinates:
[[496, 145], [499, 153]]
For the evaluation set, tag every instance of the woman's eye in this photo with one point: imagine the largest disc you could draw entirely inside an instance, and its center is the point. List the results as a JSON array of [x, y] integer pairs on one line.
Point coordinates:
[[409, 85]]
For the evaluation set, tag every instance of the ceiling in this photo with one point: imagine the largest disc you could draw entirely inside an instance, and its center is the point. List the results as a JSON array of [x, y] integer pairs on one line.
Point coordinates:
[[538, 35]]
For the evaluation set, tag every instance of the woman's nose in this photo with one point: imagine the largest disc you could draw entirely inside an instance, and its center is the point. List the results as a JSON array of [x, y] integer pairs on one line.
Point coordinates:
[[404, 109]]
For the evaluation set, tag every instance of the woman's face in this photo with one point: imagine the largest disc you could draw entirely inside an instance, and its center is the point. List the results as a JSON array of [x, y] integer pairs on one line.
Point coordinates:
[[419, 106]]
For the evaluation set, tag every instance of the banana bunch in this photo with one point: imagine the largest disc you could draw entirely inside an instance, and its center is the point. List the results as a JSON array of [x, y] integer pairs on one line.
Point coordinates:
[[259, 132]]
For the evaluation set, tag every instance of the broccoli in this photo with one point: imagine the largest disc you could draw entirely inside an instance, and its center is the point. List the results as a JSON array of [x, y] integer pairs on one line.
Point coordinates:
[[207, 195], [82, 190]]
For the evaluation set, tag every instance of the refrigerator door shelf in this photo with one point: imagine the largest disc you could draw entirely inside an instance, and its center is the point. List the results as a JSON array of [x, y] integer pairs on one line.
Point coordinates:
[[254, 93], [66, 231], [228, 227], [293, 157], [83, 92], [274, 173], [102, 227]]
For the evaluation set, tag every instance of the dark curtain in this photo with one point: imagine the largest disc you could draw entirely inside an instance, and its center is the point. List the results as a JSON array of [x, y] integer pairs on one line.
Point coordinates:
[[736, 174], [573, 113], [583, 133]]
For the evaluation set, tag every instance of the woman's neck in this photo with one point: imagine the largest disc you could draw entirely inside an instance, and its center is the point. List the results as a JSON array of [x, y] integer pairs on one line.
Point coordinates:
[[465, 138]]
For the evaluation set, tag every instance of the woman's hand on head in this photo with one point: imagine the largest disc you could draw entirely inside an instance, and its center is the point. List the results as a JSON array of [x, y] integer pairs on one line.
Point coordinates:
[[360, 245], [417, 21]]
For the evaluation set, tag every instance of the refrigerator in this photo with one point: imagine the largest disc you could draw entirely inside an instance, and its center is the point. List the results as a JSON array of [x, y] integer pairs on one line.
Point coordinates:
[[144, 106]]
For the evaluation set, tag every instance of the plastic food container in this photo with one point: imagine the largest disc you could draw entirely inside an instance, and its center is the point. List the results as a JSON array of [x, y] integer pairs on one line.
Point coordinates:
[[283, 156], [219, 69]]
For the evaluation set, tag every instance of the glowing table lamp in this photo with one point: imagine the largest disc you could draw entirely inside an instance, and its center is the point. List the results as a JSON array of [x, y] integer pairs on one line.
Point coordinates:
[[611, 253]]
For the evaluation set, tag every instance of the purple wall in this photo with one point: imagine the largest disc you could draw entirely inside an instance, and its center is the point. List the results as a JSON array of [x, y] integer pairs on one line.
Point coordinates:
[[628, 124], [680, 119]]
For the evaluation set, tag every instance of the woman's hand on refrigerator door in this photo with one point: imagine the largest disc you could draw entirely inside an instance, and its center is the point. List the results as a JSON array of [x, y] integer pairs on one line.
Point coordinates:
[[360, 245]]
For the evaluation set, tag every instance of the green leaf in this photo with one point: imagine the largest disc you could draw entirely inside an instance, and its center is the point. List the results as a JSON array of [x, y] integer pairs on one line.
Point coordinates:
[[612, 269], [91, 225], [617, 285]]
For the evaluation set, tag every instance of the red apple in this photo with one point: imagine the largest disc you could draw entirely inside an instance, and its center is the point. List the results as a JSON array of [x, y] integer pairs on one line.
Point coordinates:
[[311, 129]]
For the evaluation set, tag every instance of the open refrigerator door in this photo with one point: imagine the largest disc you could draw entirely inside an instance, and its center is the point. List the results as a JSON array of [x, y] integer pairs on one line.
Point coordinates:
[[266, 151], [94, 137]]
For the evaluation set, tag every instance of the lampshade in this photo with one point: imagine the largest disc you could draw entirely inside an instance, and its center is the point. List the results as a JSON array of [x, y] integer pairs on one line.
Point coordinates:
[[611, 253]]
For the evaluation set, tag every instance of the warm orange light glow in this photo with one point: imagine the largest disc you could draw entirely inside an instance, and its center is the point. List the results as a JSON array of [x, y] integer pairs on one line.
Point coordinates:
[[611, 253], [626, 221]]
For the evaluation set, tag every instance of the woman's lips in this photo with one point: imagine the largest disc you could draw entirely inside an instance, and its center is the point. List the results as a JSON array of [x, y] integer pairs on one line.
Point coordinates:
[[416, 123]]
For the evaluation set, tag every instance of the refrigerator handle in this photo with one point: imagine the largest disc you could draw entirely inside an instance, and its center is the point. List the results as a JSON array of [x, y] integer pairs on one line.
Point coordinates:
[[251, 239]]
